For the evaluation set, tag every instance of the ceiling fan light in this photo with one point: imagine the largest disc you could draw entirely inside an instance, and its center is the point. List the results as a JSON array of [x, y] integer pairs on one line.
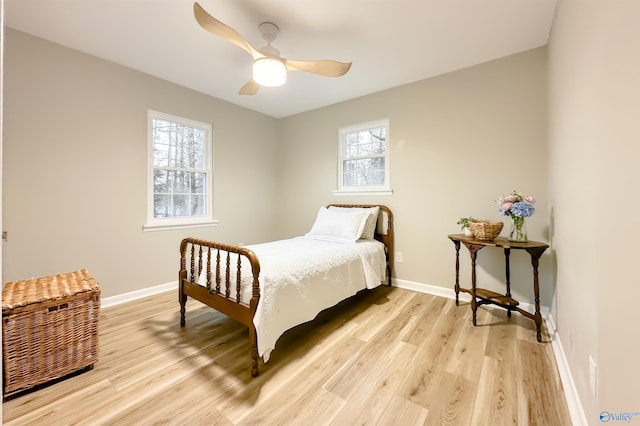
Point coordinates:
[[269, 72]]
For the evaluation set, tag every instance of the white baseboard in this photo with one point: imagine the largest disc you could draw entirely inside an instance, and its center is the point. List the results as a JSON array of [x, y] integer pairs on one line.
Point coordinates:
[[576, 411], [137, 294], [436, 290]]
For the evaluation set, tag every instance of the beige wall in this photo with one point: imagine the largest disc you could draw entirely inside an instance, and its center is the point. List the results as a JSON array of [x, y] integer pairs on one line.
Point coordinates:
[[594, 86], [457, 142], [75, 162]]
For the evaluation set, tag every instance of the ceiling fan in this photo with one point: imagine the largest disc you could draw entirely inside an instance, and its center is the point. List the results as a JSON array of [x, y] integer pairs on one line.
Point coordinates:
[[269, 68]]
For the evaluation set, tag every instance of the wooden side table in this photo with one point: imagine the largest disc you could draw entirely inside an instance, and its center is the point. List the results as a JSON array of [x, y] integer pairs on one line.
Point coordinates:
[[481, 296]]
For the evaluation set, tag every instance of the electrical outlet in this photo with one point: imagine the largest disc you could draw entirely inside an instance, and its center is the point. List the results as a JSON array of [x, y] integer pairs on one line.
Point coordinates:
[[592, 375], [399, 257]]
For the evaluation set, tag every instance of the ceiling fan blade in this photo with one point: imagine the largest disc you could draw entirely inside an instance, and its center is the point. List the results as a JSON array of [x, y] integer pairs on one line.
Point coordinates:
[[325, 68], [216, 27], [251, 88]]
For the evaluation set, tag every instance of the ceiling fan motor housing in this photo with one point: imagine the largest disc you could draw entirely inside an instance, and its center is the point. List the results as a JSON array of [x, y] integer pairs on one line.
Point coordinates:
[[269, 31]]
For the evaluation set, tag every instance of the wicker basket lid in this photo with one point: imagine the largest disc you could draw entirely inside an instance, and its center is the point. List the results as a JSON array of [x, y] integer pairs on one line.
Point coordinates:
[[37, 290]]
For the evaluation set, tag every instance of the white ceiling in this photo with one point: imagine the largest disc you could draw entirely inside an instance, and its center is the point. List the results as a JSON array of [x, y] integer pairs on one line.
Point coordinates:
[[390, 42]]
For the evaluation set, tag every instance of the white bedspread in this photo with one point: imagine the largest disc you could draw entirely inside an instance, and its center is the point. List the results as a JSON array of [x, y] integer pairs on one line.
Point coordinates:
[[300, 277]]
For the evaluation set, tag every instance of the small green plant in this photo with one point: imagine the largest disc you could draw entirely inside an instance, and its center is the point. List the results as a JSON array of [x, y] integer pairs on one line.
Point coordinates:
[[464, 222]]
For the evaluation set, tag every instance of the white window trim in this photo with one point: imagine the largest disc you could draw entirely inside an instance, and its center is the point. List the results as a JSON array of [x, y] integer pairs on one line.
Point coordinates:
[[154, 224], [364, 190], [166, 227]]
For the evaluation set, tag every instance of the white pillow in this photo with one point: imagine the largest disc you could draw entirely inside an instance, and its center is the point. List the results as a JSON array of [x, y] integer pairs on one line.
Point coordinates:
[[339, 227], [369, 229]]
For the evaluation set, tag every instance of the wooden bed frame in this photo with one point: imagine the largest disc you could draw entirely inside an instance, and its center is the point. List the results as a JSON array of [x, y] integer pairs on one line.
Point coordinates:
[[218, 270]]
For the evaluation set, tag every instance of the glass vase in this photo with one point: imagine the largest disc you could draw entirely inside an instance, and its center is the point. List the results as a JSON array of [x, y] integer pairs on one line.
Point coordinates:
[[518, 230]]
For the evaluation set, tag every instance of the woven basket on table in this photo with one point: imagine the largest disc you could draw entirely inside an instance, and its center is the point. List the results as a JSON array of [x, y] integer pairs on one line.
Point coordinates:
[[485, 230], [49, 328]]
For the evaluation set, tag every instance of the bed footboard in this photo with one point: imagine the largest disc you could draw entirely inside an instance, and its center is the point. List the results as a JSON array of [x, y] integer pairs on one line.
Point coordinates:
[[213, 273]]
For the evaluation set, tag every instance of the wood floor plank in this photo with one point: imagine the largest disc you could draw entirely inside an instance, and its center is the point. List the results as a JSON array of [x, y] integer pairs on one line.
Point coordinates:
[[423, 327], [387, 356], [403, 412], [502, 336], [419, 303], [377, 353], [496, 397], [146, 389], [468, 353], [318, 407], [303, 387], [376, 395], [537, 384], [388, 308], [57, 412], [455, 402], [436, 352], [162, 408], [308, 348]]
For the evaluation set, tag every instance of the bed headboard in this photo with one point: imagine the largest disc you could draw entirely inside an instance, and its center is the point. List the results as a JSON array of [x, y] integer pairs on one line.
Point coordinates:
[[384, 231]]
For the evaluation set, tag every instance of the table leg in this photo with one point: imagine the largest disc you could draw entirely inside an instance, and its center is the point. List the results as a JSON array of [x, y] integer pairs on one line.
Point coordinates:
[[507, 252], [473, 249], [457, 285], [474, 305], [535, 256]]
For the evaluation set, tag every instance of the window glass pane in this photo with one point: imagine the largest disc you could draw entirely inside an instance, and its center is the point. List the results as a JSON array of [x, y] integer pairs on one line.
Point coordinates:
[[377, 177], [349, 179], [161, 205], [198, 149], [349, 149], [348, 166], [363, 172], [199, 183], [160, 155], [362, 167], [378, 133], [160, 181], [379, 147], [176, 177], [180, 205], [197, 205], [365, 143]]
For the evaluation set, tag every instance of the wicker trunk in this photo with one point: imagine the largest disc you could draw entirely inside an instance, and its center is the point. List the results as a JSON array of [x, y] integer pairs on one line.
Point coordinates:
[[49, 328]]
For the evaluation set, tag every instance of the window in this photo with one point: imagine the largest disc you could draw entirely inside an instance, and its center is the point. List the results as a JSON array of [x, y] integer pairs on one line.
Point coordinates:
[[180, 172], [363, 158]]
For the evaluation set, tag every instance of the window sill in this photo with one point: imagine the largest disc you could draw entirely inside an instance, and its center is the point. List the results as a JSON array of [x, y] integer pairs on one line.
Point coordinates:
[[362, 192], [149, 228]]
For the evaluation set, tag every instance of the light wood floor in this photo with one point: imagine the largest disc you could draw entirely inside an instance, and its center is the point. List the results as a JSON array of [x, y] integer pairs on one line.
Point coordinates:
[[387, 356]]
